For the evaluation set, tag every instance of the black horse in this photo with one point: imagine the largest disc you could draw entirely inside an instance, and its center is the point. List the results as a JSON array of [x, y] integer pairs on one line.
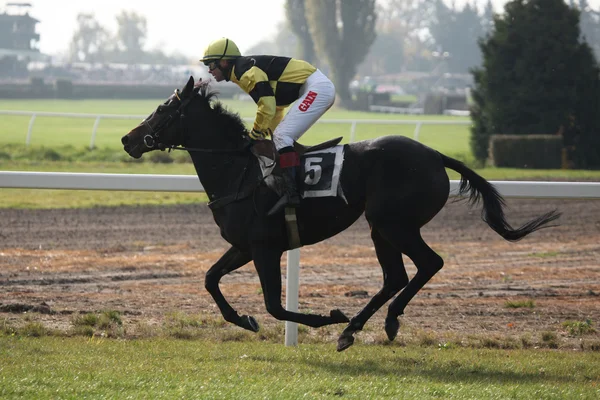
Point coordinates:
[[399, 184]]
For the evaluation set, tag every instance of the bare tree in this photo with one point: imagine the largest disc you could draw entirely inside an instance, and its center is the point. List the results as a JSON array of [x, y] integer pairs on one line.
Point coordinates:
[[343, 32], [296, 16], [90, 40], [132, 32]]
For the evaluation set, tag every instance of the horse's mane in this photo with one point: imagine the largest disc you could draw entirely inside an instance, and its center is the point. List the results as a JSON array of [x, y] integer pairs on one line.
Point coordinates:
[[228, 121]]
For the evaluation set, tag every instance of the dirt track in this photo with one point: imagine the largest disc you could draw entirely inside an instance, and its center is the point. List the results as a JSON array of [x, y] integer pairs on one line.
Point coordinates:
[[148, 262]]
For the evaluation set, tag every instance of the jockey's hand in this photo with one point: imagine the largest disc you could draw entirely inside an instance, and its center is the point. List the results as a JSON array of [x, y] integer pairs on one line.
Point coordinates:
[[258, 135]]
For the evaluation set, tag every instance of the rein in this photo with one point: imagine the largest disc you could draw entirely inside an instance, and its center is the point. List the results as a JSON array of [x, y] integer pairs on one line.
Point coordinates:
[[212, 151]]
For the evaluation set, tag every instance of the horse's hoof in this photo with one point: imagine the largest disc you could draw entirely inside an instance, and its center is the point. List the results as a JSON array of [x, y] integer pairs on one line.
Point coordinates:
[[391, 327], [248, 322], [344, 342], [338, 317]]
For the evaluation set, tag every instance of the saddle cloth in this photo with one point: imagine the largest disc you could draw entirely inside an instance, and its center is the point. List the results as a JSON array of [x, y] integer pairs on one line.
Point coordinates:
[[320, 169]]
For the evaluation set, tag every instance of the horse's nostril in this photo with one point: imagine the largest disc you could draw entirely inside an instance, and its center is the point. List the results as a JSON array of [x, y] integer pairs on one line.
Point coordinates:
[[125, 140]]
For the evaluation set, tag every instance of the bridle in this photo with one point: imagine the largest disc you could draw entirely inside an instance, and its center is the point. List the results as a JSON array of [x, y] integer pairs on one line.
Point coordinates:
[[152, 140]]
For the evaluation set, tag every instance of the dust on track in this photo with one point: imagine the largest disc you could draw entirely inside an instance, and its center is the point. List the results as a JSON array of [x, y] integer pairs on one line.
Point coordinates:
[[147, 262]]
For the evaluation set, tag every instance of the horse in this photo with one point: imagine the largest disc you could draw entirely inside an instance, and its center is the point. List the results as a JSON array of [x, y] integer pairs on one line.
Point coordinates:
[[398, 183]]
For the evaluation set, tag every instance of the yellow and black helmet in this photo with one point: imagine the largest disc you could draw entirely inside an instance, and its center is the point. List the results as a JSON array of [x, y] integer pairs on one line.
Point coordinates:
[[220, 49]]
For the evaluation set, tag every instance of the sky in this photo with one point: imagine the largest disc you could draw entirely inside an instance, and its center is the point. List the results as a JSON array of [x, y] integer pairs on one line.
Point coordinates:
[[182, 26]]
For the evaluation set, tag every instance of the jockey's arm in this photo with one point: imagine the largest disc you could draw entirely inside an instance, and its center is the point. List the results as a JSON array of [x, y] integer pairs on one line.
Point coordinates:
[[279, 113], [256, 83]]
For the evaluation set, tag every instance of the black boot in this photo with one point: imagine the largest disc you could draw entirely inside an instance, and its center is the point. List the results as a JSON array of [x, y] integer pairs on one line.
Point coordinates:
[[291, 197]]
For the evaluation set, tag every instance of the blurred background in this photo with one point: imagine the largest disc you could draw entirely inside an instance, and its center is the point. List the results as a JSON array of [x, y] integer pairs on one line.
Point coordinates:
[[513, 67]]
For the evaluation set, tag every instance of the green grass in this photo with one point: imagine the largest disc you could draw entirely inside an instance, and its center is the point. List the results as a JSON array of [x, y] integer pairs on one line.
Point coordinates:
[[50, 368], [550, 254], [61, 145], [578, 328], [61, 131], [36, 198], [520, 304]]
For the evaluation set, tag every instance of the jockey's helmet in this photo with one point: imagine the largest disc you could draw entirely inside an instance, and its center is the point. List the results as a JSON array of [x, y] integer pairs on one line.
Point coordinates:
[[220, 49]]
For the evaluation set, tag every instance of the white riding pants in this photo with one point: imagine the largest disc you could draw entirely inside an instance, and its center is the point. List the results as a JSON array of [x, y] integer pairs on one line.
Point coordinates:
[[316, 97]]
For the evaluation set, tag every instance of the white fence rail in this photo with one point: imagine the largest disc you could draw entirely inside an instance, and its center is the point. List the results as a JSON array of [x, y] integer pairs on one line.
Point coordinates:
[[97, 117], [190, 183]]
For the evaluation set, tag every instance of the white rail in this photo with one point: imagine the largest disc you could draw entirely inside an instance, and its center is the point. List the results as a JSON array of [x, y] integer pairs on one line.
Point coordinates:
[[190, 183], [352, 122]]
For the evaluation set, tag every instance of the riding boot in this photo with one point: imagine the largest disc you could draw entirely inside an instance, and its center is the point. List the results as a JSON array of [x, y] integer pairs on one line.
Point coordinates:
[[289, 163]]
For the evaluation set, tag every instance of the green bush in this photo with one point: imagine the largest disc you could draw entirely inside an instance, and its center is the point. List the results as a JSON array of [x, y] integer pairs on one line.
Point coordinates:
[[538, 77], [526, 151]]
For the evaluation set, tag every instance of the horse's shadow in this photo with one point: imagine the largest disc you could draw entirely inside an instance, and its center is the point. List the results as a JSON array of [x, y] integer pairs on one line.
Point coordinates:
[[432, 370]]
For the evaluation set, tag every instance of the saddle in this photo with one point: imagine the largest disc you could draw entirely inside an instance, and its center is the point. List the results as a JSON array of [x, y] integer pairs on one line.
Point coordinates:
[[268, 158]]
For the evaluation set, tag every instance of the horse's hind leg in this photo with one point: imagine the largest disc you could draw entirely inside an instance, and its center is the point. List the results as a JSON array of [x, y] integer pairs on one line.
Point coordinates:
[[267, 262], [394, 279], [230, 261], [427, 262]]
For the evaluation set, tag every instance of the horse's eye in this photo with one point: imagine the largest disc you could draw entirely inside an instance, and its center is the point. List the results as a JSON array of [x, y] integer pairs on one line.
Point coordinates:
[[160, 109]]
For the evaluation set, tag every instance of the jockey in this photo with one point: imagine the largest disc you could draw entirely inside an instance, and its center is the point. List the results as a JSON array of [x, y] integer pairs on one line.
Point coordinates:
[[274, 83]]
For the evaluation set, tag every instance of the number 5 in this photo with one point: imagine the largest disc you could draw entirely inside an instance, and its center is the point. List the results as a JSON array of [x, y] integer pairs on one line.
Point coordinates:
[[313, 170]]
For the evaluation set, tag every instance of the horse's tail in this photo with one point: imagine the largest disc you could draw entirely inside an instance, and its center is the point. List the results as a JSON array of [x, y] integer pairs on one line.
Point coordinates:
[[493, 204]]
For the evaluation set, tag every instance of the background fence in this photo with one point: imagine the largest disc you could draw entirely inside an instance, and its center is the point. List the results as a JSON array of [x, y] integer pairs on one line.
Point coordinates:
[[190, 183]]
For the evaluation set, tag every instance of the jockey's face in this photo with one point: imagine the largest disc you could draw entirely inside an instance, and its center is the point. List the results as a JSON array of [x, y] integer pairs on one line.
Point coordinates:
[[216, 72]]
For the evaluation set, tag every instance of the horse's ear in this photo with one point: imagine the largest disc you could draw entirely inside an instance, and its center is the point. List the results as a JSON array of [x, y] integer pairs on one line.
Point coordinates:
[[189, 86]]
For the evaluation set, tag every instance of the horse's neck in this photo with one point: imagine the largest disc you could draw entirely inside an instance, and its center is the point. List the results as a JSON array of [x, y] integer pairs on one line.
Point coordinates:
[[219, 174]]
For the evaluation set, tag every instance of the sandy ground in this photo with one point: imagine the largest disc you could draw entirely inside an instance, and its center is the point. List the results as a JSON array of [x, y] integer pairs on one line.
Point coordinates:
[[148, 262]]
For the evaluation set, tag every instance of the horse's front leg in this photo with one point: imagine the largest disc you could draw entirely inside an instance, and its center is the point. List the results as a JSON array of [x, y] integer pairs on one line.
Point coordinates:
[[230, 261], [268, 265]]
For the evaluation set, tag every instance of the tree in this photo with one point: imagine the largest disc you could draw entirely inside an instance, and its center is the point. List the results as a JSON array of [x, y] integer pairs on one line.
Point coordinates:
[[343, 32], [90, 40], [132, 32], [488, 17], [400, 43], [456, 32], [296, 16], [538, 78], [590, 26]]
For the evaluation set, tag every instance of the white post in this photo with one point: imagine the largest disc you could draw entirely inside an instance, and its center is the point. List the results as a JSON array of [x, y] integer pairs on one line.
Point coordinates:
[[353, 132], [291, 296], [93, 140], [417, 130], [31, 121]]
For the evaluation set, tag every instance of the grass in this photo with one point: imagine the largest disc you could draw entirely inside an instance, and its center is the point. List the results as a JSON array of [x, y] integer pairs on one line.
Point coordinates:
[[549, 254], [35, 198], [520, 304], [49, 368], [62, 145], [45, 199], [60, 131], [579, 328]]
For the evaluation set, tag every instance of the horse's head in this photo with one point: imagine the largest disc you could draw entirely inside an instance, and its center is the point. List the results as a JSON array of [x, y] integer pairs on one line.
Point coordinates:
[[162, 128], [188, 118]]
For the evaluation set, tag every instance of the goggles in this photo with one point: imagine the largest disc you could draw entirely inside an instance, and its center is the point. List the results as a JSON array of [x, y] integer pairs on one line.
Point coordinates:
[[212, 64]]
